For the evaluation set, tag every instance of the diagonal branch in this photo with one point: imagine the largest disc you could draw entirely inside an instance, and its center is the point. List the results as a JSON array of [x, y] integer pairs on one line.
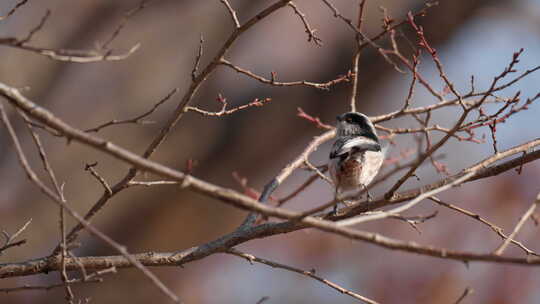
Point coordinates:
[[518, 227], [496, 229], [14, 9], [311, 274]]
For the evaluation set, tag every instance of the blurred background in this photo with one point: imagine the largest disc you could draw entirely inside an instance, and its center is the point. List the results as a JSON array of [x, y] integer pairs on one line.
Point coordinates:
[[473, 38]]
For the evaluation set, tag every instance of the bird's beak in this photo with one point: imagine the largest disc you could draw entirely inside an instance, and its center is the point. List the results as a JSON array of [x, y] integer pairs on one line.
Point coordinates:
[[338, 118]]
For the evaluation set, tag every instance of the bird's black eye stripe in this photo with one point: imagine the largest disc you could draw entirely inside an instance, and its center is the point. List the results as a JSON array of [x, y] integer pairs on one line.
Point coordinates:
[[356, 119]]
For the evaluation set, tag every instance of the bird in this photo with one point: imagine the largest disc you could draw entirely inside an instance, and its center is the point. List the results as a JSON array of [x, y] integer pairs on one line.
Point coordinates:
[[356, 155]]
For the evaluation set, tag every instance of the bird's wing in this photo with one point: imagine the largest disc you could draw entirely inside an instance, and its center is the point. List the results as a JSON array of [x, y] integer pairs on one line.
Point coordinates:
[[345, 145]]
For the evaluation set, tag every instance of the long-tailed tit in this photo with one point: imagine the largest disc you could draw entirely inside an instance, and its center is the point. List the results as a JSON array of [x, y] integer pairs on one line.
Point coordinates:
[[356, 155]]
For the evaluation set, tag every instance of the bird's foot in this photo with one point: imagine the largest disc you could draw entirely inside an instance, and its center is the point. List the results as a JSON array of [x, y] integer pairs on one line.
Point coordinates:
[[347, 203], [369, 197]]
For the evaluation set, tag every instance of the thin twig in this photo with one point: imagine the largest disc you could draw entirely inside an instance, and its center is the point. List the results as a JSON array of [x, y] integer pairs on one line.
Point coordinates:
[[311, 274], [11, 237], [63, 273], [263, 299], [495, 228], [127, 16], [9, 245], [311, 32], [232, 12], [36, 29], [457, 126], [101, 180], [59, 189], [152, 183], [466, 292], [94, 277], [318, 172], [273, 82], [285, 173], [316, 120], [398, 210], [14, 9], [356, 57], [69, 55], [300, 189], [518, 227], [139, 119], [224, 111], [197, 59]]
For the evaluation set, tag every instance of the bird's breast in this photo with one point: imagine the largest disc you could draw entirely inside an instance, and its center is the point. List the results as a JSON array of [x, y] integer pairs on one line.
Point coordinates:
[[348, 173]]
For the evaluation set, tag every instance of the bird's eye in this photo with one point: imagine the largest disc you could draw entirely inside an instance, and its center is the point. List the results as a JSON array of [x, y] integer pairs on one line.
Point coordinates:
[[348, 119]]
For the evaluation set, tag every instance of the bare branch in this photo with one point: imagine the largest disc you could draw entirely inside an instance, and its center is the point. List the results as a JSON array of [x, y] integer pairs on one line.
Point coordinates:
[[36, 29], [482, 169], [496, 229], [178, 113], [359, 33], [77, 56], [54, 197], [235, 198], [232, 12], [9, 245], [197, 59], [273, 82], [518, 227], [68, 55], [285, 173], [60, 193], [457, 126], [398, 210], [265, 219], [356, 57], [310, 274], [128, 15], [309, 31], [19, 231], [11, 237], [263, 299], [425, 44], [300, 189], [465, 293], [152, 183], [139, 119], [318, 172], [223, 112], [14, 9], [101, 180], [91, 278], [315, 120]]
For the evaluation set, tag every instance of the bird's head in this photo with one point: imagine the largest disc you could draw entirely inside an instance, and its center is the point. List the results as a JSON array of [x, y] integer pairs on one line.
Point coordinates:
[[355, 124]]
